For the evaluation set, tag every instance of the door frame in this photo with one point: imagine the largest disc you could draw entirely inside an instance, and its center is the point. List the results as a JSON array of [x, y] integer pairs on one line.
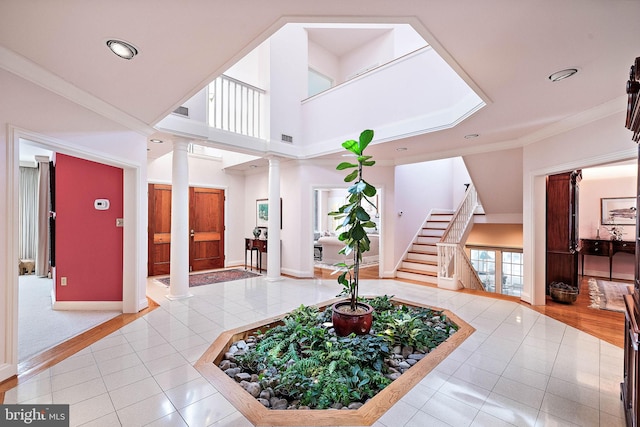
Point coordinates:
[[134, 242]]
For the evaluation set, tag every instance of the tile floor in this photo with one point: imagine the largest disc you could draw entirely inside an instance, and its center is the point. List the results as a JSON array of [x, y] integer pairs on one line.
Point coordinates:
[[519, 368]]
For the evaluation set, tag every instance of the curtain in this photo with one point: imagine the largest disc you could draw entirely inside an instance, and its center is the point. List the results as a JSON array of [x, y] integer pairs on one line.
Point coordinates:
[[28, 206], [44, 200]]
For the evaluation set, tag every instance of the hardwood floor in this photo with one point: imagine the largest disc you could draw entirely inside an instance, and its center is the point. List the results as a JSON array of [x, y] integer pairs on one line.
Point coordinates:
[[604, 324]]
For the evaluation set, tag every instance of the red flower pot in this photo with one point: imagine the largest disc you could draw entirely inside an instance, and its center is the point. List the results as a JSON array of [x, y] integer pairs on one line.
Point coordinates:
[[346, 321]]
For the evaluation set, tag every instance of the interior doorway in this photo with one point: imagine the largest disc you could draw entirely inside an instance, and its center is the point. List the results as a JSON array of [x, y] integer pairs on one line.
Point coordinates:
[[206, 225], [326, 244]]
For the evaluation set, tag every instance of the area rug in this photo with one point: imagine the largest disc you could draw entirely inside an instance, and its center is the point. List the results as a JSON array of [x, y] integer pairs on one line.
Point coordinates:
[[607, 295], [214, 277]]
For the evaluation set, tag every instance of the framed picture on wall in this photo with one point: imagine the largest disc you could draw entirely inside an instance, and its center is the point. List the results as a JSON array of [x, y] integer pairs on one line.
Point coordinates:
[[618, 211], [262, 213]]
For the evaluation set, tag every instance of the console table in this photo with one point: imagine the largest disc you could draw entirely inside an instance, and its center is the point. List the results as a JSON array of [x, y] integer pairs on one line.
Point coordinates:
[[257, 245], [608, 248]]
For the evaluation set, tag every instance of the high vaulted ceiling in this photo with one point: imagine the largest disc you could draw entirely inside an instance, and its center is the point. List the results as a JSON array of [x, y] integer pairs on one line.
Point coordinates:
[[504, 49]]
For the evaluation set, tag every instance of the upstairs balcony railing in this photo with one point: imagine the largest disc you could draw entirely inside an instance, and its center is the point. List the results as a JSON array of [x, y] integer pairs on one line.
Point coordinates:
[[235, 106], [454, 265]]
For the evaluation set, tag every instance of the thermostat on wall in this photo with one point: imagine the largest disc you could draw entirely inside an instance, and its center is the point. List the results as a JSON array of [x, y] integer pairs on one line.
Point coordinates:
[[101, 204]]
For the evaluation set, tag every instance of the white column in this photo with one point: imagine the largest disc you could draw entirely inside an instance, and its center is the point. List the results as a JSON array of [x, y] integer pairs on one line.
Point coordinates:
[[179, 277], [273, 242]]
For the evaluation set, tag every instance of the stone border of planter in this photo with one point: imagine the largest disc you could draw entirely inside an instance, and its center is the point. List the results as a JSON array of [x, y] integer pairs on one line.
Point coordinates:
[[367, 414]]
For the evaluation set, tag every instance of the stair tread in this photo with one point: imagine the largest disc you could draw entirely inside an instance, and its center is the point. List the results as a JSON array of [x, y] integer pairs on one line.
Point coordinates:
[[419, 261], [420, 272]]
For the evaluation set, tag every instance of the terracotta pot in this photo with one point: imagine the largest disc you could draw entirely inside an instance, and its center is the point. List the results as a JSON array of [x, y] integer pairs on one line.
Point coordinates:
[[345, 322]]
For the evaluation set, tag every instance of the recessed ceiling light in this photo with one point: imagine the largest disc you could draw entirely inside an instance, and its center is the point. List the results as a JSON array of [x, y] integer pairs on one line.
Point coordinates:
[[563, 74], [401, 149], [471, 136], [122, 49], [156, 141]]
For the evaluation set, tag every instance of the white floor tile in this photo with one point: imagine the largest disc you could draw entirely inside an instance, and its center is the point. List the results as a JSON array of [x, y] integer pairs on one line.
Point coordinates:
[[207, 411], [146, 411], [518, 368], [90, 409], [191, 392], [134, 393], [449, 410]]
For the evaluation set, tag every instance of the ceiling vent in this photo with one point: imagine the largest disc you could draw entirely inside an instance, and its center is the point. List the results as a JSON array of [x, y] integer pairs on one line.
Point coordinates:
[[287, 138], [181, 111]]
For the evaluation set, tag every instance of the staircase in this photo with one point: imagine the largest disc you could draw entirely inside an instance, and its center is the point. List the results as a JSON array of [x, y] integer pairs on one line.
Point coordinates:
[[421, 261]]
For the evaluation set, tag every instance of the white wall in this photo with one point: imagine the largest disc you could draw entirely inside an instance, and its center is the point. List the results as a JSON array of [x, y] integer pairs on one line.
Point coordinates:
[[614, 181], [419, 188], [372, 54], [289, 69], [324, 62], [406, 40], [394, 100]]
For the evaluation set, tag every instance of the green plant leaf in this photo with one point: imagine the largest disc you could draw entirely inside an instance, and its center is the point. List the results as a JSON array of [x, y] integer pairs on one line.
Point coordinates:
[[353, 175], [365, 138], [369, 190], [353, 146], [361, 214], [371, 163], [345, 165]]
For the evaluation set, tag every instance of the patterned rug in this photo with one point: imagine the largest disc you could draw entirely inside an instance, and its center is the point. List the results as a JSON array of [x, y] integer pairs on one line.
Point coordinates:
[[214, 277], [607, 295]]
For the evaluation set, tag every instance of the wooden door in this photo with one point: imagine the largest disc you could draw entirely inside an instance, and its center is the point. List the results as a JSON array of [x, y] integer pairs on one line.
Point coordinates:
[[562, 228], [206, 219], [159, 239]]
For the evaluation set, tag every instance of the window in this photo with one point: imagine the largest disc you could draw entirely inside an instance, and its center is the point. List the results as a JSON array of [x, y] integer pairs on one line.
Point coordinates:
[[484, 261], [512, 276], [509, 262], [318, 82]]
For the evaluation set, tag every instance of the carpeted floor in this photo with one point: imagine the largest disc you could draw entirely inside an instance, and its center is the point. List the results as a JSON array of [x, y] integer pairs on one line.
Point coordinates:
[[211, 277], [34, 311], [606, 295]]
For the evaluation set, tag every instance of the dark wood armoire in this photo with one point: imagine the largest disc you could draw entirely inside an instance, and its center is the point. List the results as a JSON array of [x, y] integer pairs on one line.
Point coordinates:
[[562, 228], [630, 387]]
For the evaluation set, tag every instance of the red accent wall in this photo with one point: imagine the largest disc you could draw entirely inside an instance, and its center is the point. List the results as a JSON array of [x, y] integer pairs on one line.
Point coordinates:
[[88, 243]]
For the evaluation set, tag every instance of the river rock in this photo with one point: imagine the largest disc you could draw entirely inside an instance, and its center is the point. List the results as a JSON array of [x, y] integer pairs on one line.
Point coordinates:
[[416, 356], [232, 371], [225, 364], [264, 402], [406, 351], [265, 394], [404, 365], [242, 376], [355, 405], [280, 404], [242, 345], [393, 376], [254, 389]]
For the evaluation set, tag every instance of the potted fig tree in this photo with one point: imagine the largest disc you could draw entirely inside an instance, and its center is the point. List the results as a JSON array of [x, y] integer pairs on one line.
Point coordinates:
[[353, 316]]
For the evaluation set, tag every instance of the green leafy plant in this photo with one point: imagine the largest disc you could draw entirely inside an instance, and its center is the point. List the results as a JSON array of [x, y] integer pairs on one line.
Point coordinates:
[[302, 360], [355, 218]]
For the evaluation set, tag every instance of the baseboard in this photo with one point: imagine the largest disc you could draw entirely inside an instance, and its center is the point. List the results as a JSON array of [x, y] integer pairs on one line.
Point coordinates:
[[604, 275], [299, 274], [86, 305]]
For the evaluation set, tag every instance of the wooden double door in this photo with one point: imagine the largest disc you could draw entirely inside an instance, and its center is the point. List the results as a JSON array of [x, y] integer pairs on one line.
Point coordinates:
[[206, 229]]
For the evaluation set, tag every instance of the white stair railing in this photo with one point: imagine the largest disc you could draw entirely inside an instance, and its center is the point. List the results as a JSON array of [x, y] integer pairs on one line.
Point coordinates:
[[236, 106], [454, 267]]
